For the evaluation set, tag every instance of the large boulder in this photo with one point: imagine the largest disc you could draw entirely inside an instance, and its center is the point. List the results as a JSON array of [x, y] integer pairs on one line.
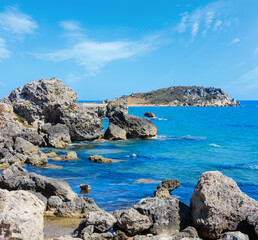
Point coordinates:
[[150, 114], [168, 215], [166, 187], [131, 221], [17, 178], [218, 206], [135, 127], [118, 104], [58, 135], [114, 132], [21, 215], [95, 222]]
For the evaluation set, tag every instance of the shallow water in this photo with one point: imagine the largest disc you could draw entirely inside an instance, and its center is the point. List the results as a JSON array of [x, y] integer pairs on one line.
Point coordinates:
[[190, 141]]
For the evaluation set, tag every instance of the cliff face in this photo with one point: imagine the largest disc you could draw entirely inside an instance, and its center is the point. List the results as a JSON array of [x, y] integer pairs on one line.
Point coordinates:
[[183, 96]]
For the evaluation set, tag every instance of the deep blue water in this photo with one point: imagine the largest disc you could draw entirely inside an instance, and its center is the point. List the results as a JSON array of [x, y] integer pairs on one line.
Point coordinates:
[[190, 141]]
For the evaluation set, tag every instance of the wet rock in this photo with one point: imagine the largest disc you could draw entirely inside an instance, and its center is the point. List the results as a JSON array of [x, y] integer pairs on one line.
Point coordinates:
[[135, 127], [114, 132], [131, 221], [164, 189], [99, 159], [71, 156], [21, 215], [234, 236], [85, 188], [168, 215], [101, 220], [149, 114], [218, 205], [15, 177]]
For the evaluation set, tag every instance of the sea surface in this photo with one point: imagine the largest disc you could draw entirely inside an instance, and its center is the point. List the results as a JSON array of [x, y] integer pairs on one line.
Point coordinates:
[[190, 141]]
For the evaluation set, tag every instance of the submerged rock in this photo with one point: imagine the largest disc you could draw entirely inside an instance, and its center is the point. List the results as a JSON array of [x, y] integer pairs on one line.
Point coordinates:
[[71, 156], [168, 215], [164, 189], [99, 159], [21, 215], [218, 205], [135, 127]]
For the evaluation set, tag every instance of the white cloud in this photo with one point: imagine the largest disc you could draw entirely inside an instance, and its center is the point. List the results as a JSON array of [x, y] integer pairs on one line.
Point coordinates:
[[4, 52], [70, 25], [236, 40], [93, 55], [14, 21], [204, 19]]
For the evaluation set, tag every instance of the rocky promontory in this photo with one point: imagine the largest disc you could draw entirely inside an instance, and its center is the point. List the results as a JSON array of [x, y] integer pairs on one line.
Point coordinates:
[[182, 96]]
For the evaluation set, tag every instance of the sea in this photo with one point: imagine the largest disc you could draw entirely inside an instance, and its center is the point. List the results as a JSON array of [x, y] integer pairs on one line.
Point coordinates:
[[190, 141]]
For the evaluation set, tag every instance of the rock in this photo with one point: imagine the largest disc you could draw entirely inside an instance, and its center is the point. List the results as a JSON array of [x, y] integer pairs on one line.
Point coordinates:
[[166, 187], [71, 156], [16, 178], [99, 159], [21, 215], [131, 221], [37, 159], [218, 205], [235, 236], [51, 155], [101, 220], [85, 188], [58, 135], [23, 146], [53, 203], [135, 127], [150, 115], [168, 215], [114, 132], [66, 237], [100, 236], [57, 159], [189, 232], [146, 181], [77, 208], [116, 105], [119, 235]]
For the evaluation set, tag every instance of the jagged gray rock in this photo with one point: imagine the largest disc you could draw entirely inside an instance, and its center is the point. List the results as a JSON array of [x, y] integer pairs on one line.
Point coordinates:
[[168, 215], [131, 221], [234, 236], [21, 215], [164, 189], [218, 205], [118, 104], [135, 127]]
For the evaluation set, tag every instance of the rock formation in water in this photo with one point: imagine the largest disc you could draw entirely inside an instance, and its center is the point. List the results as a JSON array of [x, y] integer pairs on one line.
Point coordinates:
[[44, 113], [183, 96]]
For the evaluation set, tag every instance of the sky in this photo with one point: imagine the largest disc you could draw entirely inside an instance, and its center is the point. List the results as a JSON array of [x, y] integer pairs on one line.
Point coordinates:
[[105, 49]]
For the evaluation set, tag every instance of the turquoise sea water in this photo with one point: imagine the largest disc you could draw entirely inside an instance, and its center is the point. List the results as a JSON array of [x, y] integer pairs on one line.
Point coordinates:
[[190, 141]]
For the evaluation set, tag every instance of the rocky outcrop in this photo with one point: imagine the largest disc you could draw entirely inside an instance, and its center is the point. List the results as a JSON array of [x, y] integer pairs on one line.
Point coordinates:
[[234, 236], [150, 115], [164, 189], [85, 188], [131, 221], [218, 206], [168, 215], [21, 215], [135, 127], [99, 159], [71, 156], [183, 96]]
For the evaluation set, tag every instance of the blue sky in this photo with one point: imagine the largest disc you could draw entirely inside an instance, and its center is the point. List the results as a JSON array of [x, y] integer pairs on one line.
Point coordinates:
[[105, 49]]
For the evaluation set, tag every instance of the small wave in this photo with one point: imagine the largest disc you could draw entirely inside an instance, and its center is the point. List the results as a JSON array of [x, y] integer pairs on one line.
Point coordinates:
[[133, 155], [214, 145], [190, 137], [249, 166]]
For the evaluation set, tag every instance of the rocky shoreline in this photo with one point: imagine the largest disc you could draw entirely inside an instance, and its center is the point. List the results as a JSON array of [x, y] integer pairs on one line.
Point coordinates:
[[45, 113]]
